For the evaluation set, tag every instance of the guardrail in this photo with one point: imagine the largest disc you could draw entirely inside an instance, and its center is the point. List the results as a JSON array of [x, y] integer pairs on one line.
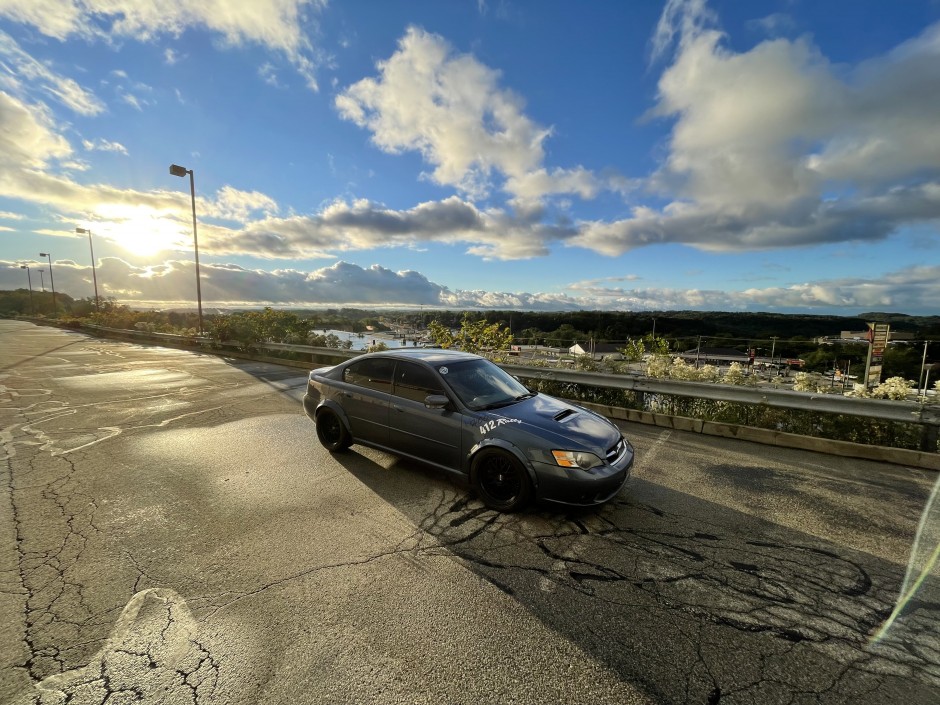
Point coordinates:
[[925, 416], [901, 411]]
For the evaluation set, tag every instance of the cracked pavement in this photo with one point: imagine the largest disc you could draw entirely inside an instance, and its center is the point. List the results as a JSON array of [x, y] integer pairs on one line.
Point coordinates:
[[171, 532]]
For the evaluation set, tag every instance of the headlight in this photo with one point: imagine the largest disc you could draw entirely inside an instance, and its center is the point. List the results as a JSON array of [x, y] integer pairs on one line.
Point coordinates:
[[576, 459]]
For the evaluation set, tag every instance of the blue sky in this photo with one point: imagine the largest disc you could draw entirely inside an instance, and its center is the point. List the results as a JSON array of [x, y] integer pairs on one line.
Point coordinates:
[[765, 155]]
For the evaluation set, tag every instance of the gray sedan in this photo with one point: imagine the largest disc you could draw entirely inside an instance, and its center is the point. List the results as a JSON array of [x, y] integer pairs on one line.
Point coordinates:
[[466, 416]]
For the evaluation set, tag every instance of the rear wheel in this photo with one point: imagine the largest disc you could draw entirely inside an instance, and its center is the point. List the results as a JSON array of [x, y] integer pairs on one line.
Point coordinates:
[[331, 431], [500, 480]]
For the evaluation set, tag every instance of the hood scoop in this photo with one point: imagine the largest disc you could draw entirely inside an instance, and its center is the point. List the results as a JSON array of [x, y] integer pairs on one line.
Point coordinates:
[[564, 414]]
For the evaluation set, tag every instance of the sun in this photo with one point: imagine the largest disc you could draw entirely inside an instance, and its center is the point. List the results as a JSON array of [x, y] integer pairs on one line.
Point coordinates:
[[141, 230]]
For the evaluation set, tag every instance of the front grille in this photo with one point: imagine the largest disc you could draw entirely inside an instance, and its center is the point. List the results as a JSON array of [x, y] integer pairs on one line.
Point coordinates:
[[615, 451]]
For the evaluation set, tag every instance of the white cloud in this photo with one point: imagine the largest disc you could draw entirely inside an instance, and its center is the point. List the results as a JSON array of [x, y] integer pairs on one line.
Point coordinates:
[[27, 136], [54, 18], [269, 74], [232, 204], [359, 225], [275, 24], [914, 290], [774, 147], [450, 109], [23, 73], [103, 145], [132, 101], [174, 281]]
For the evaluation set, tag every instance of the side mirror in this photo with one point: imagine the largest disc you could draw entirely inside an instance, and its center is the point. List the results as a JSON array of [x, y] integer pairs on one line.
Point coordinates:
[[436, 401]]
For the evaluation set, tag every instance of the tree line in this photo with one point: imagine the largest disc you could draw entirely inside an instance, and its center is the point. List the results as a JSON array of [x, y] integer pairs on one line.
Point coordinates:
[[787, 335]]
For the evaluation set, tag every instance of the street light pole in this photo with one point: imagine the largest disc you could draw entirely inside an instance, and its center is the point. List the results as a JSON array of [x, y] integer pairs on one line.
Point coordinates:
[[94, 275], [923, 364], [32, 307], [55, 311], [177, 170], [42, 282]]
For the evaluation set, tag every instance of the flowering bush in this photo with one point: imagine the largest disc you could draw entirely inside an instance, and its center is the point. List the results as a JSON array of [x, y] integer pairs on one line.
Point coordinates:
[[680, 369], [804, 382], [658, 366], [859, 390], [709, 373], [735, 375], [893, 388]]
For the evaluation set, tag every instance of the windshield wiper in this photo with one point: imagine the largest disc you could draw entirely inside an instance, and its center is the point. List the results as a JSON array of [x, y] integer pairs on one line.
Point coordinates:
[[507, 402], [497, 404]]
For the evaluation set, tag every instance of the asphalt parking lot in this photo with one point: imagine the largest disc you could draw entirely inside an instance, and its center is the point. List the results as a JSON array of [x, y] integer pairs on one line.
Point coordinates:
[[171, 531]]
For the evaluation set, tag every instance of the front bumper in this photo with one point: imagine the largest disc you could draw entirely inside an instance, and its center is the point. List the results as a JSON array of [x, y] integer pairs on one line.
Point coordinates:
[[571, 487]]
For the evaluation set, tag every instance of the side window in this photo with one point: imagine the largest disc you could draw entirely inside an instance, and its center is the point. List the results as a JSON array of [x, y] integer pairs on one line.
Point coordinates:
[[372, 374], [415, 382]]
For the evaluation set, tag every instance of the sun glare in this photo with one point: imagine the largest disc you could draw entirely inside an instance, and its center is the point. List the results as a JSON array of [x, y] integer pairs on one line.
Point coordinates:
[[141, 230]]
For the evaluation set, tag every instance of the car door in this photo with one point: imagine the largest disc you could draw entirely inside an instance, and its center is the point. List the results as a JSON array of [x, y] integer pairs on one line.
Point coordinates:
[[365, 398], [432, 435]]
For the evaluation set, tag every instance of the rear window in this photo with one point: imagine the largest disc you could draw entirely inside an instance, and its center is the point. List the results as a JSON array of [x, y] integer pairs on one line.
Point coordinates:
[[375, 374]]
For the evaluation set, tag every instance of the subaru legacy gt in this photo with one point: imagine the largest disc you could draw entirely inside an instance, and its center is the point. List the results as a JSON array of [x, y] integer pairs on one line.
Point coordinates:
[[463, 414]]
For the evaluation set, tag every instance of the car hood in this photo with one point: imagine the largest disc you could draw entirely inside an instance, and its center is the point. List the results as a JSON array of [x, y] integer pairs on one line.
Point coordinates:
[[565, 425]]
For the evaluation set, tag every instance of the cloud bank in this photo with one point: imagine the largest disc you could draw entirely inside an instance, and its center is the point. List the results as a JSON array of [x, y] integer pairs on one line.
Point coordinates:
[[914, 290]]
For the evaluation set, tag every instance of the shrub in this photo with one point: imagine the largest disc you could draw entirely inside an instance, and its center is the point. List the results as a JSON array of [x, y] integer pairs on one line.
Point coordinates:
[[893, 388]]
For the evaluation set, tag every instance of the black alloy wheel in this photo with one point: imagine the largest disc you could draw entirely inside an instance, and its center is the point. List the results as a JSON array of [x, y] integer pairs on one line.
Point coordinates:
[[331, 431], [500, 480]]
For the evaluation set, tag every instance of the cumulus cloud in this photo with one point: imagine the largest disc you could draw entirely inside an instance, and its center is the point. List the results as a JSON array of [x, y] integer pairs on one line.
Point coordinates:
[[775, 147], [174, 281], [914, 290], [452, 110], [274, 24]]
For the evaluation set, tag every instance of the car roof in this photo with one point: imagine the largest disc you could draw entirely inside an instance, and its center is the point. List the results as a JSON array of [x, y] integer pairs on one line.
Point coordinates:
[[429, 355]]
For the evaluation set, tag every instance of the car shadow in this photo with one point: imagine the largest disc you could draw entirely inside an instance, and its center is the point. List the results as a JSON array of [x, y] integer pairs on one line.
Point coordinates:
[[686, 598]]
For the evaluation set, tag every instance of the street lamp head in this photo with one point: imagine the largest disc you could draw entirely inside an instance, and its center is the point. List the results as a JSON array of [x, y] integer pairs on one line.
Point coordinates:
[[43, 254], [24, 266], [81, 231], [178, 170]]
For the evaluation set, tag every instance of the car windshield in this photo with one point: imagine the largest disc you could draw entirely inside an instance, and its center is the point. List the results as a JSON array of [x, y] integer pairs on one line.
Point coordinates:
[[481, 385]]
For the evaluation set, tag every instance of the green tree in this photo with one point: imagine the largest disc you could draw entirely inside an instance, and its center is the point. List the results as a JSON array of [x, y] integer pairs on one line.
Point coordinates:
[[474, 336]]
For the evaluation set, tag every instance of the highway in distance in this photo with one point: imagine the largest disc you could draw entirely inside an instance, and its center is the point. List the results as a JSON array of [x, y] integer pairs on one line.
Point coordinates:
[[171, 531]]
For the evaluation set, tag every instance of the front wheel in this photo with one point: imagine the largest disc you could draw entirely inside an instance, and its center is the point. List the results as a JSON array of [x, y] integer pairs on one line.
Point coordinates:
[[500, 480], [331, 431]]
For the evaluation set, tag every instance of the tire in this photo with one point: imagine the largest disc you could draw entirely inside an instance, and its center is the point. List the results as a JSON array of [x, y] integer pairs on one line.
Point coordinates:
[[331, 431], [499, 479]]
